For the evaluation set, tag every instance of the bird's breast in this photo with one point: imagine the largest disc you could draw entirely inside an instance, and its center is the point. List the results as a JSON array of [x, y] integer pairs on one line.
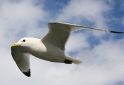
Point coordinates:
[[48, 52]]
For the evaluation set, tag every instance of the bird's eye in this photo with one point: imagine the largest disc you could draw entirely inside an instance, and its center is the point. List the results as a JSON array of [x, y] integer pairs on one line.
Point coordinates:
[[23, 40]]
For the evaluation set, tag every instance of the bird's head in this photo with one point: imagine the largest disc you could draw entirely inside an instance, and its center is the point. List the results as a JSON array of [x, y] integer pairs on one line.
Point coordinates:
[[25, 42]]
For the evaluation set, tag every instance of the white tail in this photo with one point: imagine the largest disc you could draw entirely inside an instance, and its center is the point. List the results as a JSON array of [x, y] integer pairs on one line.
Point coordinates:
[[75, 61]]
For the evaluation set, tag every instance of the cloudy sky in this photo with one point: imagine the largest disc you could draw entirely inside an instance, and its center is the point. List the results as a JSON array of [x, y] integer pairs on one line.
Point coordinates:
[[102, 53]]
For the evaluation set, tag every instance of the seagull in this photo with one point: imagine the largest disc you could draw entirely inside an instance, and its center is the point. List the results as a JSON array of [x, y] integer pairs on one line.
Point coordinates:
[[50, 48]]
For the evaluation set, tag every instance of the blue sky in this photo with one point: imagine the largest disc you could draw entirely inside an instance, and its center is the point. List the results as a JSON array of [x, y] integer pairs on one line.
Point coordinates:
[[102, 53]]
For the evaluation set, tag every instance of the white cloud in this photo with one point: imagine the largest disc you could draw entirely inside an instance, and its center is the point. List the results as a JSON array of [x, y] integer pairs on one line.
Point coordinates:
[[93, 11], [76, 42], [102, 65], [19, 19]]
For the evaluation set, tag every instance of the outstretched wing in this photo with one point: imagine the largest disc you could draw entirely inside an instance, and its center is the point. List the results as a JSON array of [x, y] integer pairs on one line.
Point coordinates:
[[59, 33], [21, 59]]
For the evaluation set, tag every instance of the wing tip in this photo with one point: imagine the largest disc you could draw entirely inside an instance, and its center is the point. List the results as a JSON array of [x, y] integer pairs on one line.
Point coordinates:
[[28, 73], [116, 32]]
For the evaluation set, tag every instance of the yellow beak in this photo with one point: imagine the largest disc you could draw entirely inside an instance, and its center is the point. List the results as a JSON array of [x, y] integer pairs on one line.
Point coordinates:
[[15, 44]]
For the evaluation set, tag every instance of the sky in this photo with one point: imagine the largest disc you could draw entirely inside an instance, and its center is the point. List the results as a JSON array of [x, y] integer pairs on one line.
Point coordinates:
[[102, 53]]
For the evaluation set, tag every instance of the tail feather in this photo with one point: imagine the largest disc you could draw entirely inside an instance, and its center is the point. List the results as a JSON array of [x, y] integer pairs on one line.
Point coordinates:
[[75, 61]]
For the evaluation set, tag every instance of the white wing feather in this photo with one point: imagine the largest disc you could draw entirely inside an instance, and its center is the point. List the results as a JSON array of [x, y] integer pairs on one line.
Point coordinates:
[[21, 59]]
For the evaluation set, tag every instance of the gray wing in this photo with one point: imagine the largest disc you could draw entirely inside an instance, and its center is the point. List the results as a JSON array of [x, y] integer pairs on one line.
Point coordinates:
[[21, 59], [59, 33]]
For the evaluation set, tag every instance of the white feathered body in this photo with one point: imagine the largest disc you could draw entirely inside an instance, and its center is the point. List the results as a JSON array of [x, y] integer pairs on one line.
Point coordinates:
[[45, 51]]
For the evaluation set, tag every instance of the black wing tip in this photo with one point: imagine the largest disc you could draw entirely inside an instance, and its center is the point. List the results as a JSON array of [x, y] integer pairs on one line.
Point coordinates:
[[116, 32], [28, 73]]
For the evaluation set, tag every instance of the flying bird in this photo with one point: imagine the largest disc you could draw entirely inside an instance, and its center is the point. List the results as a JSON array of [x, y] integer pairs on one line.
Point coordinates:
[[50, 48]]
